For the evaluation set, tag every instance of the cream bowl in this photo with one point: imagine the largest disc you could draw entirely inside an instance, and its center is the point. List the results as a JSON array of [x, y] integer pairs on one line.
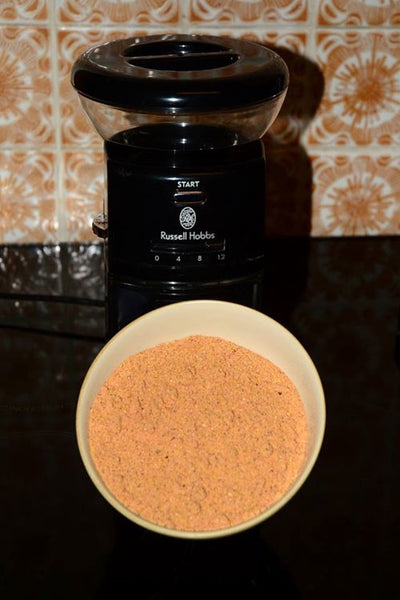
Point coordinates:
[[236, 323]]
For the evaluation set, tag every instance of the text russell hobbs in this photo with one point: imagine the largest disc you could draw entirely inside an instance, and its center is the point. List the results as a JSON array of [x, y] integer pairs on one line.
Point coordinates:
[[187, 235]]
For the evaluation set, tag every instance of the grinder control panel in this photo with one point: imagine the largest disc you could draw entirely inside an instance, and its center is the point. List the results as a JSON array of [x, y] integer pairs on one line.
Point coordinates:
[[201, 220], [190, 231], [191, 254]]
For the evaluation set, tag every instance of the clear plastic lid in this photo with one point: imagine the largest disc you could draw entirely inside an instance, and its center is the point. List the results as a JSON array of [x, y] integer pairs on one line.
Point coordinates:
[[182, 80], [246, 124]]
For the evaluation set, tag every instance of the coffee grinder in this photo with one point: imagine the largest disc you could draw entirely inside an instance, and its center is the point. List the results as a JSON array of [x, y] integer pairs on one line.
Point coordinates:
[[182, 118]]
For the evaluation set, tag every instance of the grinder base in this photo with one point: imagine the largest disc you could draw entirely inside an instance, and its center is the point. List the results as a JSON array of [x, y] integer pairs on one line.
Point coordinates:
[[128, 301]]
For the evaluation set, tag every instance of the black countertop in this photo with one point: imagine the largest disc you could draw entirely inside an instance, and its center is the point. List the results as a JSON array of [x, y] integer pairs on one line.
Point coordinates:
[[337, 538]]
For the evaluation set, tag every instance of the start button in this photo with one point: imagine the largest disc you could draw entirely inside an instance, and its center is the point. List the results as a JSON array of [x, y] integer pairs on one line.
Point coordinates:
[[189, 198]]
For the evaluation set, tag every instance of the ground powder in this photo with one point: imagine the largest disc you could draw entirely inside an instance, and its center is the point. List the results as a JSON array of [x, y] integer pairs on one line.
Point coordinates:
[[198, 434]]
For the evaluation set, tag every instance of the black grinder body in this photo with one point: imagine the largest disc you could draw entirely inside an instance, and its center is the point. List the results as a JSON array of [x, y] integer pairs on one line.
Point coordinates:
[[183, 222], [183, 117]]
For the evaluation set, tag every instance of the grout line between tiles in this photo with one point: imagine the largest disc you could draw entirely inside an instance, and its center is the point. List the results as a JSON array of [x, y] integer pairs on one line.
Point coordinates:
[[271, 25], [27, 23], [60, 214], [311, 34], [315, 148], [184, 17], [309, 25]]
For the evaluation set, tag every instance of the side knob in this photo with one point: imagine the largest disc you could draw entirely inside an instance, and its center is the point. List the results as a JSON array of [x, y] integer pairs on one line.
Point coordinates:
[[100, 226]]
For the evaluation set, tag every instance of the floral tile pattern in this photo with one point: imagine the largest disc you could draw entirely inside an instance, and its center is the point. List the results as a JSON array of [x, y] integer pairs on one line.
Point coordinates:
[[118, 11], [23, 10], [356, 196], [362, 94], [83, 192], [358, 12], [26, 111], [332, 153], [27, 197], [245, 11]]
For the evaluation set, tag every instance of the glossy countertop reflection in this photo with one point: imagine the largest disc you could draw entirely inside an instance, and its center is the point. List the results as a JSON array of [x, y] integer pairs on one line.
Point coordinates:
[[337, 538]]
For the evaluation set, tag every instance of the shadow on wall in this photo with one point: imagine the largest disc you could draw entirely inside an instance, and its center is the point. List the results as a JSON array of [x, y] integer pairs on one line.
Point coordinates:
[[289, 191], [289, 170]]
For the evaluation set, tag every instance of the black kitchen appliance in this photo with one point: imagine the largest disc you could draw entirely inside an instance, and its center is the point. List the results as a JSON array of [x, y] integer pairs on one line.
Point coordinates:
[[182, 117]]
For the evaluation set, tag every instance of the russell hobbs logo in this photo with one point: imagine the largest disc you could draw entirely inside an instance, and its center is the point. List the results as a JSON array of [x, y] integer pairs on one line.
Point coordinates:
[[187, 220], [185, 236], [187, 217]]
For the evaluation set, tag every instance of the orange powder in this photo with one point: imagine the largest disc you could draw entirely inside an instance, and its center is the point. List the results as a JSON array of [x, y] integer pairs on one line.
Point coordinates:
[[198, 434]]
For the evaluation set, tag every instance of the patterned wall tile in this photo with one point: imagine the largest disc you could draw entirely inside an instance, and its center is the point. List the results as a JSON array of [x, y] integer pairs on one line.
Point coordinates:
[[358, 12], [119, 12], [26, 112], [362, 88], [27, 200], [356, 195], [23, 10], [83, 192], [289, 38], [248, 11]]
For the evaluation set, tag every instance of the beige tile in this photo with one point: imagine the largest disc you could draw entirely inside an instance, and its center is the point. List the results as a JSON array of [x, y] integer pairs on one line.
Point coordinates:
[[26, 104], [23, 10], [27, 199], [243, 12], [362, 88], [83, 181], [103, 12], [358, 12], [356, 195]]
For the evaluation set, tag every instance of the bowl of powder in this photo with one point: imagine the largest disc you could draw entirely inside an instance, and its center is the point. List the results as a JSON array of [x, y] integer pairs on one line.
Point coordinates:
[[200, 419]]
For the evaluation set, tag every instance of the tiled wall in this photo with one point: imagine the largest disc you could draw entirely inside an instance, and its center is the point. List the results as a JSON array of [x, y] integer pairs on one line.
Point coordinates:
[[333, 155]]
